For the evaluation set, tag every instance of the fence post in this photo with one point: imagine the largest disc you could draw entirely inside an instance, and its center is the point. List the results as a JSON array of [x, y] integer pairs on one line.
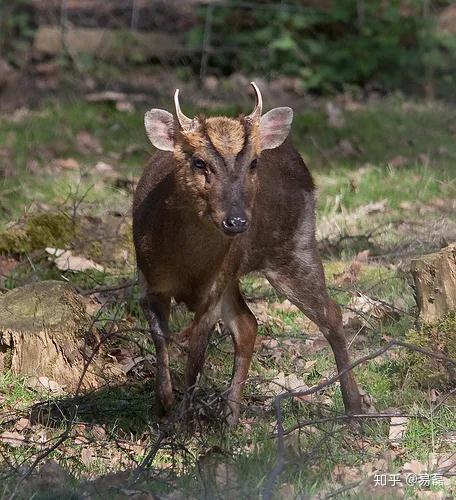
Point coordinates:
[[206, 41], [134, 15]]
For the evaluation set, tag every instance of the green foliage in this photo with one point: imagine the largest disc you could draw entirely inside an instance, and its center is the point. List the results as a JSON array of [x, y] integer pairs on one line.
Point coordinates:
[[352, 43], [15, 30]]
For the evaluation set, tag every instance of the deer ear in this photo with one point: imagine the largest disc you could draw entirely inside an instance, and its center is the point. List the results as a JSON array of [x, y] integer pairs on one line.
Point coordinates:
[[160, 129], [274, 127]]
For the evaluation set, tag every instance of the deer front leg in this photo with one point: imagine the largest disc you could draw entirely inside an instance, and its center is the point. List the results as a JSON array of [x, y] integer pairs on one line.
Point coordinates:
[[197, 337], [197, 340], [243, 327], [156, 309]]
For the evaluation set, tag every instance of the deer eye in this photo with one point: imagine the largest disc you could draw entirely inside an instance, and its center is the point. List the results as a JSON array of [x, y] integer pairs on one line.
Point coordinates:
[[199, 163], [254, 164]]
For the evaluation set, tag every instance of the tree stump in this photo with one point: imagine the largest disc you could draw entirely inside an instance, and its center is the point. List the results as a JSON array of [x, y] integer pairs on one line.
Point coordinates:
[[42, 327], [435, 282]]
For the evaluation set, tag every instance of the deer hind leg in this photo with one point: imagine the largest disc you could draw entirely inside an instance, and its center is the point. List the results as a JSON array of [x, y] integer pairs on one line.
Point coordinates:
[[302, 281], [243, 327], [156, 309]]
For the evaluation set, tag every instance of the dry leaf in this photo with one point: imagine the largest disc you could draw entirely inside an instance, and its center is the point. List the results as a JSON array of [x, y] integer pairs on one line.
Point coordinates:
[[66, 261], [87, 143], [267, 343], [98, 432], [105, 169], [285, 306], [375, 207], [22, 423], [87, 456], [40, 383], [13, 439], [282, 383], [398, 426], [65, 164], [7, 264], [260, 310], [128, 364], [345, 474], [424, 159], [398, 161], [92, 305], [406, 205], [80, 440], [352, 321], [51, 385], [414, 467], [350, 275], [285, 491], [346, 149], [370, 308], [310, 364], [433, 396], [430, 495], [335, 116], [176, 495], [125, 106], [107, 96]]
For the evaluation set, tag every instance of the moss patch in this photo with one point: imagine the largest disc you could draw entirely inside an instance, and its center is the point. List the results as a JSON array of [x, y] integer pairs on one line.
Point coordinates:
[[368, 272], [37, 232], [424, 371]]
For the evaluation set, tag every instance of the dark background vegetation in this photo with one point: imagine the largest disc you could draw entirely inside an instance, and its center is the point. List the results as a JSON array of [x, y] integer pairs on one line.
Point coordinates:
[[328, 46]]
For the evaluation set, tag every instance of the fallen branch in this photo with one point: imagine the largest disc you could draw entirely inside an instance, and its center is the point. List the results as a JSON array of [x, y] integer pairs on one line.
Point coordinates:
[[280, 462], [114, 288]]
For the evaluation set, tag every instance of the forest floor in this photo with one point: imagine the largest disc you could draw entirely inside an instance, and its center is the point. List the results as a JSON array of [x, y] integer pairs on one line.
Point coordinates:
[[386, 177]]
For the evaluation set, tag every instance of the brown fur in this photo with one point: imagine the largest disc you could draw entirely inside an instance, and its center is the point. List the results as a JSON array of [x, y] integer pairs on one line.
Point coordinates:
[[182, 252], [226, 135]]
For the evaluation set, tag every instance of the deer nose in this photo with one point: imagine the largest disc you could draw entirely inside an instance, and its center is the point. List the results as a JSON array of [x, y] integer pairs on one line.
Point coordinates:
[[234, 225]]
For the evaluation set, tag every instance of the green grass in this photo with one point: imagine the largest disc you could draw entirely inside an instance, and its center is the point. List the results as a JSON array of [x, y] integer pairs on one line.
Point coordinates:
[[378, 182], [15, 392], [345, 186], [382, 131]]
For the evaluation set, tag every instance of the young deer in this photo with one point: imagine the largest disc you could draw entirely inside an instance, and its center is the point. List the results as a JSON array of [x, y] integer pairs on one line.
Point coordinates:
[[225, 197]]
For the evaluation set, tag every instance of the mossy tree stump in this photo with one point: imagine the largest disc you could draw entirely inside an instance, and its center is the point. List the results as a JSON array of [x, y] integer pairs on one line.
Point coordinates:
[[435, 282], [42, 327]]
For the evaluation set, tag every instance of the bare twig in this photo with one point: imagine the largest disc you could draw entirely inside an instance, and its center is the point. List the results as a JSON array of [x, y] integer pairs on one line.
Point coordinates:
[[322, 152], [280, 462], [103, 289]]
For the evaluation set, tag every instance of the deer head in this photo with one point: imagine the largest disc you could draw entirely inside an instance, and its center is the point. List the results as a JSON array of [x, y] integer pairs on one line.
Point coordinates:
[[218, 158]]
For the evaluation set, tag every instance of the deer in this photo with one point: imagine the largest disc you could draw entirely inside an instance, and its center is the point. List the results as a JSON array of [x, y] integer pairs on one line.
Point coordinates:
[[223, 197]]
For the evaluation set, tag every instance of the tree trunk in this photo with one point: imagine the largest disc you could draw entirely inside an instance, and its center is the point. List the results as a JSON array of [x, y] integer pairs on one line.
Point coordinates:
[[435, 282], [42, 329]]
